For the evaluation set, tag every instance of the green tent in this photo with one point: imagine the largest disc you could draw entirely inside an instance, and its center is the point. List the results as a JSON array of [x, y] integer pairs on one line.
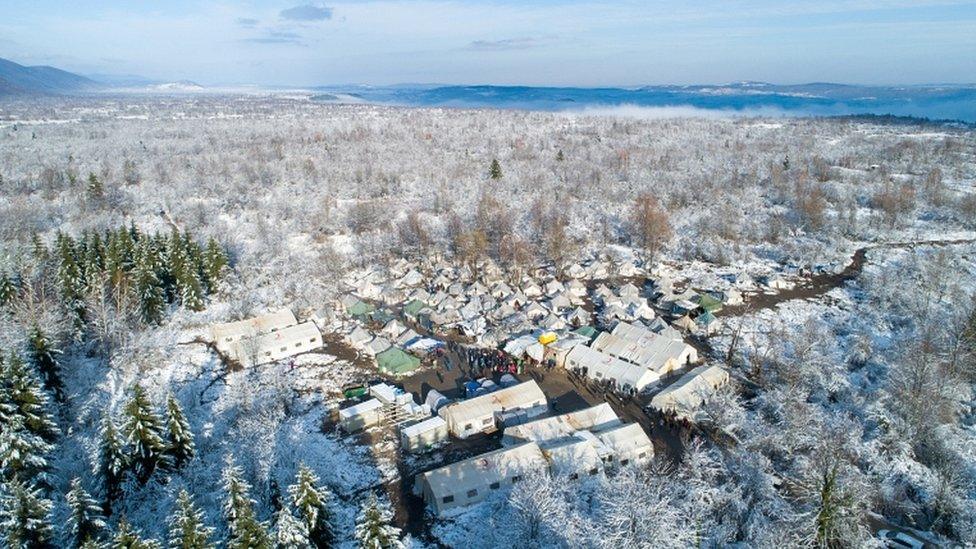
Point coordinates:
[[709, 303], [360, 309], [381, 316], [587, 331], [396, 362], [411, 309]]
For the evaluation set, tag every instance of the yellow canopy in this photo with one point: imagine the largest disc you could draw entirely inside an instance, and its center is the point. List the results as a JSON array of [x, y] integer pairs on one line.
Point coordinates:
[[548, 338]]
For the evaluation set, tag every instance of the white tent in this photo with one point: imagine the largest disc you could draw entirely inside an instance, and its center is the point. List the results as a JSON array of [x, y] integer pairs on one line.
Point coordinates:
[[691, 390], [596, 417], [226, 334], [470, 481], [277, 345], [477, 415], [361, 416], [604, 367]]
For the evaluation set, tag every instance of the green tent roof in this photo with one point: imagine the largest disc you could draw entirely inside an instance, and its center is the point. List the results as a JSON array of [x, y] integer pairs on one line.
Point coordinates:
[[361, 308], [395, 361], [587, 331], [709, 303], [413, 307], [382, 316]]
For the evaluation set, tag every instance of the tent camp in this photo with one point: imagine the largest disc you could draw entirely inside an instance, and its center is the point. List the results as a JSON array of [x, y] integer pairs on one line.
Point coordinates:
[[277, 345], [604, 367], [691, 390], [477, 415], [470, 481], [396, 362], [225, 334]]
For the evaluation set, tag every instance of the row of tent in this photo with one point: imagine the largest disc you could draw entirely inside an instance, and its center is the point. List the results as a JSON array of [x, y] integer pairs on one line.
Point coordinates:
[[570, 447]]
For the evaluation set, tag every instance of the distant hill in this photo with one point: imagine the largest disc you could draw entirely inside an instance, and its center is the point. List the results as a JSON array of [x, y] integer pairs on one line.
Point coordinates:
[[935, 102], [16, 79]]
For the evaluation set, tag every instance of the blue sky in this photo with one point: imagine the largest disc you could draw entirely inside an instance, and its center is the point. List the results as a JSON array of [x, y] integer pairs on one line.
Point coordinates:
[[548, 42]]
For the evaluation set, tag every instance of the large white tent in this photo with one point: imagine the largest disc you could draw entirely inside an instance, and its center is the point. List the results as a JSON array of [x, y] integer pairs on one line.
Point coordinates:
[[224, 335], [477, 415], [604, 367]]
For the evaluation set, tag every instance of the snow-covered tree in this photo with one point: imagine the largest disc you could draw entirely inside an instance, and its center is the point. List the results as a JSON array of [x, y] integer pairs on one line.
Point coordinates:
[[187, 529], [23, 454], [148, 287], [244, 529], [143, 432], [28, 398], [42, 355], [85, 520], [290, 532], [8, 289], [179, 437], [127, 537], [112, 460], [311, 502], [24, 516], [374, 525], [214, 263]]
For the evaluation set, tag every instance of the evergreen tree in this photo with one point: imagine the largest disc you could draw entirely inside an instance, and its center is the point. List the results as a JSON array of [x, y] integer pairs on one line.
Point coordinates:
[[39, 249], [8, 290], [23, 454], [180, 446], [28, 399], [95, 188], [495, 170], [85, 521], [373, 526], [127, 537], [149, 288], [189, 287], [290, 533], [24, 516], [143, 432], [70, 280], [245, 530], [560, 156], [311, 502], [111, 460], [43, 356], [187, 529], [214, 263]]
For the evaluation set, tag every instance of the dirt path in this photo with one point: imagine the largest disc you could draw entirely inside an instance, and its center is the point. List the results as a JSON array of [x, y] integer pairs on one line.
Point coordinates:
[[818, 285]]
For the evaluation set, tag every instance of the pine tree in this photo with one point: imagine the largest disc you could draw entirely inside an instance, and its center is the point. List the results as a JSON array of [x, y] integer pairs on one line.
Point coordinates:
[[95, 188], [180, 446], [71, 280], [560, 156], [111, 461], [143, 432], [187, 529], [214, 263], [24, 516], [85, 521], [127, 537], [149, 288], [495, 170], [373, 526], [245, 530], [188, 283], [28, 399], [311, 502], [290, 533], [8, 290], [23, 454], [43, 356]]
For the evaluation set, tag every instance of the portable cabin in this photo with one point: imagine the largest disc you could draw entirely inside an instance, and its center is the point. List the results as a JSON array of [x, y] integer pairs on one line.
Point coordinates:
[[361, 416], [424, 435]]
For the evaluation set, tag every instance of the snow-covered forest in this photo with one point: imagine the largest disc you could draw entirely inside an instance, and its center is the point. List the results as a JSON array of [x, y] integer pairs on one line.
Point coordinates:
[[129, 225]]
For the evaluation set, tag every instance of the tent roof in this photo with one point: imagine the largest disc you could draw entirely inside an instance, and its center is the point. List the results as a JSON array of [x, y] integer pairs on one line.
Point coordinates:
[[480, 471], [600, 416], [522, 395], [395, 361]]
